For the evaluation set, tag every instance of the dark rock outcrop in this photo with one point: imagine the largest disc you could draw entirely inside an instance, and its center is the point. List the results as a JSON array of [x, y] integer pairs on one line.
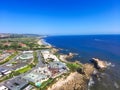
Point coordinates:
[[99, 64]]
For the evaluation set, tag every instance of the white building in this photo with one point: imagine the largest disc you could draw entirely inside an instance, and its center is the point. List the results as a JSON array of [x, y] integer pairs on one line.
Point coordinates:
[[47, 55], [3, 88]]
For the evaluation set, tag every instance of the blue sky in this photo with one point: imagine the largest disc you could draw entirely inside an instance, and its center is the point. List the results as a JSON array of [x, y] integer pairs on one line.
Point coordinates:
[[58, 17]]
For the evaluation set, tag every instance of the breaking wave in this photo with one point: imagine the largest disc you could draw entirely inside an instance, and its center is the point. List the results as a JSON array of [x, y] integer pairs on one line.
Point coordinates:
[[90, 83], [109, 64]]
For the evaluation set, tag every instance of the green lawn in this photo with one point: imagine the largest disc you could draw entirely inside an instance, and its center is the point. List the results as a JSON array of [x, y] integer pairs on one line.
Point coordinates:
[[73, 66], [23, 70], [46, 83]]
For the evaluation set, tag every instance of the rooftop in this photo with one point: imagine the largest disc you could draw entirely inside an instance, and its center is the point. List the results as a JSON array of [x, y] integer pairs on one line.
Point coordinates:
[[57, 64], [17, 83], [3, 87]]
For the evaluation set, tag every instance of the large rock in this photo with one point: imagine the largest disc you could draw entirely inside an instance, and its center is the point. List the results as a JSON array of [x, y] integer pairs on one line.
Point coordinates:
[[99, 64]]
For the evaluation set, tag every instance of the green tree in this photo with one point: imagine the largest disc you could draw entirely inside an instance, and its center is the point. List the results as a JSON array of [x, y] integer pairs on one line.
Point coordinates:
[[14, 45]]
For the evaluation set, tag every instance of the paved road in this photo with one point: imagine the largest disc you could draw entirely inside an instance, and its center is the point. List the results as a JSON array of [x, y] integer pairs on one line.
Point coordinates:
[[40, 59]]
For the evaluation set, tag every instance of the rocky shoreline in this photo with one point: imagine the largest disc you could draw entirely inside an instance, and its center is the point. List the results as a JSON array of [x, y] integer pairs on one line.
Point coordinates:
[[99, 64], [76, 80]]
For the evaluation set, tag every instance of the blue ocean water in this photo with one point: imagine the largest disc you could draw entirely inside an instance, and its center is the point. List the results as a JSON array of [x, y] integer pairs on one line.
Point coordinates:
[[104, 47]]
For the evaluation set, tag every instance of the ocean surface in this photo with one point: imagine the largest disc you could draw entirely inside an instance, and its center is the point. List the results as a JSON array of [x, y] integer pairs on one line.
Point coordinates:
[[104, 47]]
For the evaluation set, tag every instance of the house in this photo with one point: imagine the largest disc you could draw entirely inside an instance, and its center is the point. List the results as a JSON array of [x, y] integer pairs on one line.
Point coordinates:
[[3, 87], [2, 71], [10, 51], [1, 75], [16, 83], [7, 44], [29, 87], [22, 45], [3, 56], [7, 72], [57, 67]]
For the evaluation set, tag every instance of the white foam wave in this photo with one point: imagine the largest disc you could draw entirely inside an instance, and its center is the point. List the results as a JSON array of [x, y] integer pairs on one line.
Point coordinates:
[[46, 43], [95, 72], [109, 64], [116, 85], [91, 83], [98, 39]]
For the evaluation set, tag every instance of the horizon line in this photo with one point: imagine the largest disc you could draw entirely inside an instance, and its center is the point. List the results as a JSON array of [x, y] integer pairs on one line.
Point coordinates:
[[61, 34]]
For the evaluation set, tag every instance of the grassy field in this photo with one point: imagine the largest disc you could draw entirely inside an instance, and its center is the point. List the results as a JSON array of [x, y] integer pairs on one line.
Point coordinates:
[[73, 66], [15, 43], [23, 70]]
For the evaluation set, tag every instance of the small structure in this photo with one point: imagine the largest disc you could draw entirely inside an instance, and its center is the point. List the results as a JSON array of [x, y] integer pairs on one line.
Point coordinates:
[[38, 84], [22, 45], [57, 67], [7, 44], [26, 56], [10, 51], [7, 72], [27, 51], [4, 71], [48, 56], [31, 77], [29, 87], [1, 75], [3, 56], [57, 64], [3, 87], [38, 75], [34, 77], [17, 83]]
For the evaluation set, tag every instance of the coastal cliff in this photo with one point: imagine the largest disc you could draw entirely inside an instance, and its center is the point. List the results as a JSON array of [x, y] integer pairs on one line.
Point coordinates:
[[75, 80], [79, 77]]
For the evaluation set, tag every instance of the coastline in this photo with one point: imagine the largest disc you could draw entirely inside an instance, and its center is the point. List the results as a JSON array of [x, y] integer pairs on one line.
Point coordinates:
[[94, 78], [73, 76], [43, 42], [75, 79]]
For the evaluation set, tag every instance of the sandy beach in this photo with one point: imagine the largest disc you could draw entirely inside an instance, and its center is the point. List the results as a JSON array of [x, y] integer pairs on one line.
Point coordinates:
[[43, 42], [40, 42]]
